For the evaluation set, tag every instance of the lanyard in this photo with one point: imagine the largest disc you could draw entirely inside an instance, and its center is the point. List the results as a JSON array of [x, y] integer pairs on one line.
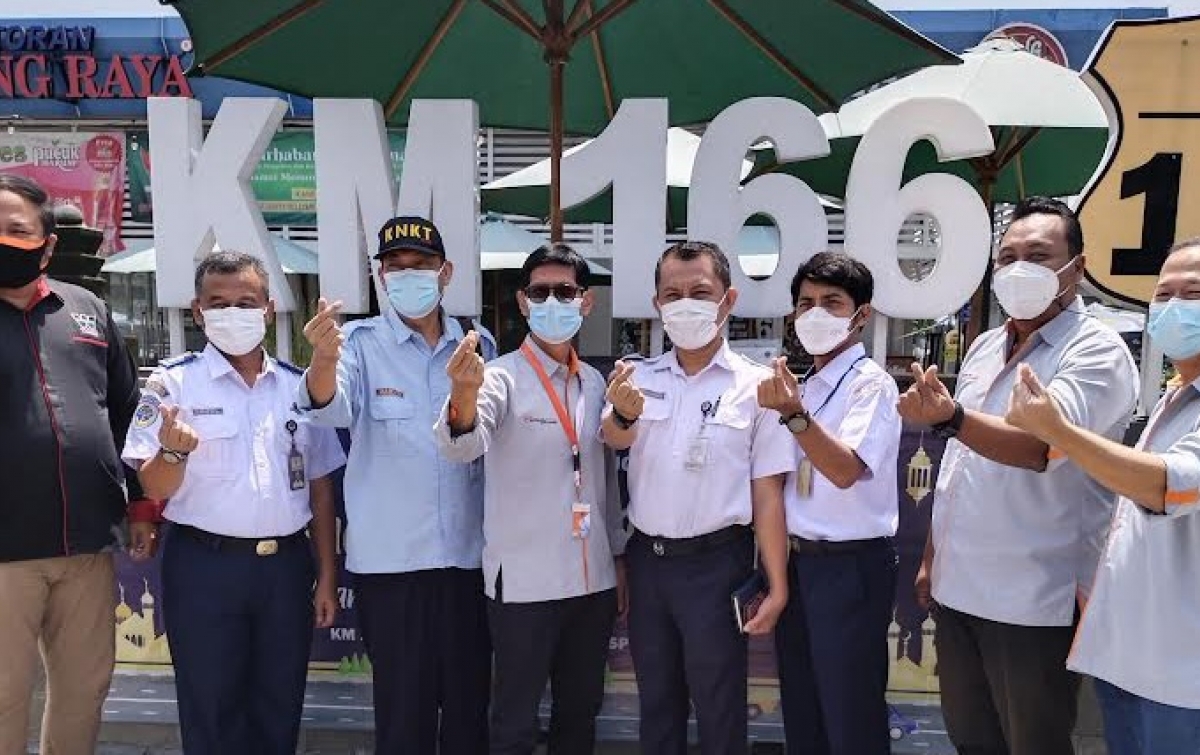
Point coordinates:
[[571, 431], [837, 385]]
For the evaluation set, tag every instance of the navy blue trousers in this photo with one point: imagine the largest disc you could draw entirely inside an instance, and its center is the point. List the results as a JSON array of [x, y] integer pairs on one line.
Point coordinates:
[[427, 636], [686, 644], [831, 645], [240, 627]]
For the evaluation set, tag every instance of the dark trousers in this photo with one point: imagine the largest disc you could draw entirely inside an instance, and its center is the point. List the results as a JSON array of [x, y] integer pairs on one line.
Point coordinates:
[[685, 643], [240, 627], [1005, 689], [427, 637], [831, 645], [565, 642]]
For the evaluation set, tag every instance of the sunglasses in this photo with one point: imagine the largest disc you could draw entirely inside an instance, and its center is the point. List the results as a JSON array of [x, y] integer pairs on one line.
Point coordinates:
[[564, 292]]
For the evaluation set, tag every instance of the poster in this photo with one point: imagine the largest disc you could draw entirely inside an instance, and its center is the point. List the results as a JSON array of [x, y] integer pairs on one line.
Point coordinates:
[[339, 650], [86, 170], [284, 182]]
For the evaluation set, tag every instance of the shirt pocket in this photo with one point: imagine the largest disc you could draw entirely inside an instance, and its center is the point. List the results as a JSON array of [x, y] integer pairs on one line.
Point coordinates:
[[216, 455], [396, 416], [730, 431]]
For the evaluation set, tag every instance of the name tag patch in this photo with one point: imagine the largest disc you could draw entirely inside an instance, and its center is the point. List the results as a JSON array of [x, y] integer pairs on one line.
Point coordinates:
[[208, 411], [394, 392]]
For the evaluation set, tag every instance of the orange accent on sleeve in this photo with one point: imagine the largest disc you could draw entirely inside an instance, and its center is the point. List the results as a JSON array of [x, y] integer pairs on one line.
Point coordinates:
[[1182, 497], [1054, 454]]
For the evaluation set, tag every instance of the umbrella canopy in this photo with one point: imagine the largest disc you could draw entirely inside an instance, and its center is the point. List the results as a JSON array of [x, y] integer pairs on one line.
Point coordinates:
[[294, 258], [504, 246], [1050, 130], [701, 55]]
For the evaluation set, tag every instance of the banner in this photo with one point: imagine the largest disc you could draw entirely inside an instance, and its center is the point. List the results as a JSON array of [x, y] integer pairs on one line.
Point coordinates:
[[285, 183], [86, 170], [141, 642]]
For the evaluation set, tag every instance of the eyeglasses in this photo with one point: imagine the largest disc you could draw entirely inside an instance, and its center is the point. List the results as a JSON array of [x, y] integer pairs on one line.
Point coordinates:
[[564, 292]]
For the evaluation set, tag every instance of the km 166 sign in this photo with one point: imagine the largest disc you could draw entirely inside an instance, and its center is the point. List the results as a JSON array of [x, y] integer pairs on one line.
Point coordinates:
[[1147, 195], [202, 193]]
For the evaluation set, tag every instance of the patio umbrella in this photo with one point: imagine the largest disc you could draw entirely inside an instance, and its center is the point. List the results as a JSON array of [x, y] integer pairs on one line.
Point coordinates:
[[294, 258], [701, 54], [526, 192], [504, 246], [1049, 129]]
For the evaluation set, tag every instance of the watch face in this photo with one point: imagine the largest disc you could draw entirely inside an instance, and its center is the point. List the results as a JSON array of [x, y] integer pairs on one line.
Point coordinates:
[[798, 424]]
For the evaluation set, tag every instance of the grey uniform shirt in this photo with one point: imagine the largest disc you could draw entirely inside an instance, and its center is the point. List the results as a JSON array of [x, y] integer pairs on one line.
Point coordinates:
[[1014, 545], [529, 486], [1139, 629]]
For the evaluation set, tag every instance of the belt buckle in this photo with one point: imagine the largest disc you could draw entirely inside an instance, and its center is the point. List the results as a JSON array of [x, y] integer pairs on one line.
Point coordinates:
[[658, 548], [266, 547]]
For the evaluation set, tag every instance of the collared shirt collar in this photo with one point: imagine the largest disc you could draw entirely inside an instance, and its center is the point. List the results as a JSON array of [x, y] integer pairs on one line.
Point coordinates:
[[841, 364], [219, 366], [549, 363], [451, 330], [720, 359], [1058, 327]]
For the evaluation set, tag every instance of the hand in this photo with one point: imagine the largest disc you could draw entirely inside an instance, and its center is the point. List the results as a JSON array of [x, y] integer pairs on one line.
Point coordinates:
[[1031, 407], [625, 397], [465, 368], [143, 540], [923, 586], [768, 614], [927, 402], [324, 333], [325, 602], [781, 392], [622, 588], [175, 434]]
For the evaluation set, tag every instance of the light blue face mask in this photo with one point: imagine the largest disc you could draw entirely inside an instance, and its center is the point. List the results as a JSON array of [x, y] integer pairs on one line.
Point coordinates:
[[1175, 327], [553, 321], [414, 293]]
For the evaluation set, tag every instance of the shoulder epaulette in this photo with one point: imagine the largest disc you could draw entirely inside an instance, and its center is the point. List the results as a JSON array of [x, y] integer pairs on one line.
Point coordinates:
[[289, 367], [180, 360]]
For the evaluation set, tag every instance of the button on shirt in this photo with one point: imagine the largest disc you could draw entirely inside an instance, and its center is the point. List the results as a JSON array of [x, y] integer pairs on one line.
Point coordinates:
[[1140, 627], [407, 507], [236, 482], [745, 442], [862, 414], [1014, 545], [530, 486]]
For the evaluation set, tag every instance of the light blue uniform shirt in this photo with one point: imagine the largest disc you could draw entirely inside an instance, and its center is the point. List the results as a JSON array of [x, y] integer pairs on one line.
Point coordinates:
[[407, 507]]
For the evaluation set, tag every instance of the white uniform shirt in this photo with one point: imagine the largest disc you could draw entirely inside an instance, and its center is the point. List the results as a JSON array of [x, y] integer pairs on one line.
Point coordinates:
[[529, 484], [860, 412], [1139, 629], [1018, 546], [236, 482], [745, 442]]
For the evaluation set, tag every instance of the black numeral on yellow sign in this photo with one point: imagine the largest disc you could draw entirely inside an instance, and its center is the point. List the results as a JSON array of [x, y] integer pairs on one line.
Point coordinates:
[[1158, 180]]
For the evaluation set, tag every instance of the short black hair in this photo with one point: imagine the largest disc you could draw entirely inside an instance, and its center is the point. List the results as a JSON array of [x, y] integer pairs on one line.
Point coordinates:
[[557, 253], [840, 270], [690, 250], [1047, 206], [32, 192], [229, 262]]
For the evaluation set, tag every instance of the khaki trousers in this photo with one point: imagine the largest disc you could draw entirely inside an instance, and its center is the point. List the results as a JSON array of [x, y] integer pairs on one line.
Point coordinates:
[[64, 606]]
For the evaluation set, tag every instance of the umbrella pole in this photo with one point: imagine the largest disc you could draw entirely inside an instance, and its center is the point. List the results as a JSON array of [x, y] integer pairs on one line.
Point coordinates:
[[557, 65]]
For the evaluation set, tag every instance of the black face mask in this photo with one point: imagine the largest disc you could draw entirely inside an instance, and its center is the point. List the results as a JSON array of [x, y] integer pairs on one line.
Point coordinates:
[[19, 267]]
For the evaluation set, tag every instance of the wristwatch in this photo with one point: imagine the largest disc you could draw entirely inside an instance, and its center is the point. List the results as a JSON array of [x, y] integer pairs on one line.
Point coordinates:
[[172, 457], [949, 429], [622, 421], [798, 422]]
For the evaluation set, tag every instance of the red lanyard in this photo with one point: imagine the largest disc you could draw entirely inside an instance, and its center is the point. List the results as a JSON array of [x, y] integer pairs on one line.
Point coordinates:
[[560, 408]]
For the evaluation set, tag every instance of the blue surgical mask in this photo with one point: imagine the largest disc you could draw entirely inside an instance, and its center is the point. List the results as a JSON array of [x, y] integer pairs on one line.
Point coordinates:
[[554, 321], [1175, 327], [414, 293]]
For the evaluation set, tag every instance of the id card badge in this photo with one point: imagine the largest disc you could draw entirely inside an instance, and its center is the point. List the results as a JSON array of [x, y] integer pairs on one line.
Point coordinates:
[[804, 478], [297, 480], [696, 458], [581, 520]]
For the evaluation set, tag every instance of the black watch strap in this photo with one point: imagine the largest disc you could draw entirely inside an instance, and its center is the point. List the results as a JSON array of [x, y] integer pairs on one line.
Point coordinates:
[[622, 421], [950, 428]]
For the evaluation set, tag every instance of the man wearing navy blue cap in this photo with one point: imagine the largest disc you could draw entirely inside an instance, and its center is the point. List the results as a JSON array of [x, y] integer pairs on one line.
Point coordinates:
[[414, 534]]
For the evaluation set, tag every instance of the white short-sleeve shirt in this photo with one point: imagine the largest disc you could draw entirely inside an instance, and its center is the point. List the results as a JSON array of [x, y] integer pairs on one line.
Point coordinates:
[[668, 498], [236, 482]]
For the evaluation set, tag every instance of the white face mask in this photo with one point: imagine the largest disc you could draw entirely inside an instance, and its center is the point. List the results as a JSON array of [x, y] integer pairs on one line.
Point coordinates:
[[235, 331], [1026, 290], [691, 323], [820, 332]]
